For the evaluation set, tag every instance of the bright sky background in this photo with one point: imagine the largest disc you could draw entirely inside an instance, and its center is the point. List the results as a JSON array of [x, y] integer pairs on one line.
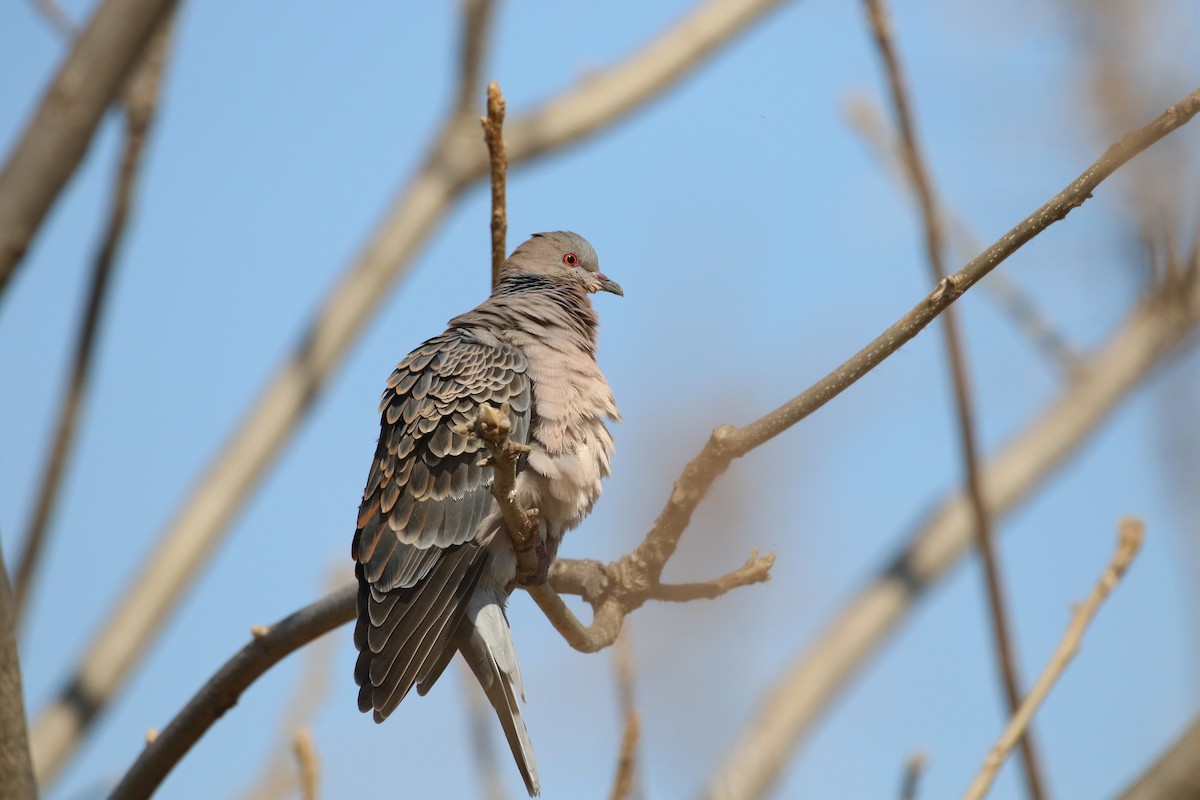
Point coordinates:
[[759, 246]]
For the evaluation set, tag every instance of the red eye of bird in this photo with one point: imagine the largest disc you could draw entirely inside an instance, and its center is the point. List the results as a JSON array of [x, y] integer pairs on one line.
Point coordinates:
[[571, 260]]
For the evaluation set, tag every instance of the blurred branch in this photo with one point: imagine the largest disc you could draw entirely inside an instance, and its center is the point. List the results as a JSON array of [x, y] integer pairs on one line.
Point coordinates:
[[479, 727], [1175, 775], [307, 763], [493, 134], [55, 17], [1020, 309], [913, 770], [476, 36], [625, 783], [455, 160], [627, 760], [789, 709], [16, 767], [919, 177], [58, 134], [279, 777], [1131, 532], [865, 118], [266, 648], [140, 100]]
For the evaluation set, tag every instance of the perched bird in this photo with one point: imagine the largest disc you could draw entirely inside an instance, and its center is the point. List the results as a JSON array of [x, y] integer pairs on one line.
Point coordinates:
[[433, 561]]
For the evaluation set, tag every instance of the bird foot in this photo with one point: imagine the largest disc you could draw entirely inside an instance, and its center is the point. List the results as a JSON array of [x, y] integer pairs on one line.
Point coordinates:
[[545, 553]]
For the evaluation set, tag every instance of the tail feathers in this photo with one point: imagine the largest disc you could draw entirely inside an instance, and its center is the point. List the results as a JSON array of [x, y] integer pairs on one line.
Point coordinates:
[[487, 646]]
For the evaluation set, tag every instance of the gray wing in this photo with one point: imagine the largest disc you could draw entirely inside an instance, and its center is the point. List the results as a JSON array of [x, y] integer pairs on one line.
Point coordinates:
[[416, 559]]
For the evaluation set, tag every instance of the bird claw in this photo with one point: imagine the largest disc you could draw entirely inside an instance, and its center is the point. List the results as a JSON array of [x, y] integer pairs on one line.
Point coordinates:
[[545, 555], [538, 576]]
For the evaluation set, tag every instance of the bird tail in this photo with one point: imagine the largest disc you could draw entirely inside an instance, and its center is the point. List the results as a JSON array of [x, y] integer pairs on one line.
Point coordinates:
[[486, 643]]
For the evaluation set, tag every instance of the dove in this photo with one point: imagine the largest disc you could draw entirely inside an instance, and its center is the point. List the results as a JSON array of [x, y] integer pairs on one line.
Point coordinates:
[[433, 560]]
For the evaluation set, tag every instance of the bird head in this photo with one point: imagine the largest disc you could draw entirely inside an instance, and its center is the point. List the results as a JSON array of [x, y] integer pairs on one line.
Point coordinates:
[[563, 256]]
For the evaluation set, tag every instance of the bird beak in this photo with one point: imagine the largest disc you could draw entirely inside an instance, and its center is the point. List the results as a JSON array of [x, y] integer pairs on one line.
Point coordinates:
[[606, 284]]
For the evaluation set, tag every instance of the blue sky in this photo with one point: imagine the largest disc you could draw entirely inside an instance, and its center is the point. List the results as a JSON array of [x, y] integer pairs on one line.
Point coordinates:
[[759, 245]]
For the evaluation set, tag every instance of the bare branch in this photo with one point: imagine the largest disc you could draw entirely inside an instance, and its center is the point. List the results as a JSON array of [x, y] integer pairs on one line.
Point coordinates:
[[493, 134], [16, 766], [57, 136], [1131, 532], [454, 161], [918, 174], [791, 707], [591, 579], [1175, 775], [140, 101]]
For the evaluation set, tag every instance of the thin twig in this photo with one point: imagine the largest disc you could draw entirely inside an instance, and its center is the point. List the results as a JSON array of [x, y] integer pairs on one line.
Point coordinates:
[[307, 764], [919, 175], [590, 580], [814, 680], [1131, 532], [866, 120], [913, 769], [140, 102], [57, 136], [493, 134], [453, 163]]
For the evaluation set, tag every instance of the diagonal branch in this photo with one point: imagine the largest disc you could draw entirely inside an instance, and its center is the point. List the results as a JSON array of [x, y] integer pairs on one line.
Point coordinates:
[[141, 102], [922, 184], [58, 134], [1131, 532], [789, 709], [454, 162]]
